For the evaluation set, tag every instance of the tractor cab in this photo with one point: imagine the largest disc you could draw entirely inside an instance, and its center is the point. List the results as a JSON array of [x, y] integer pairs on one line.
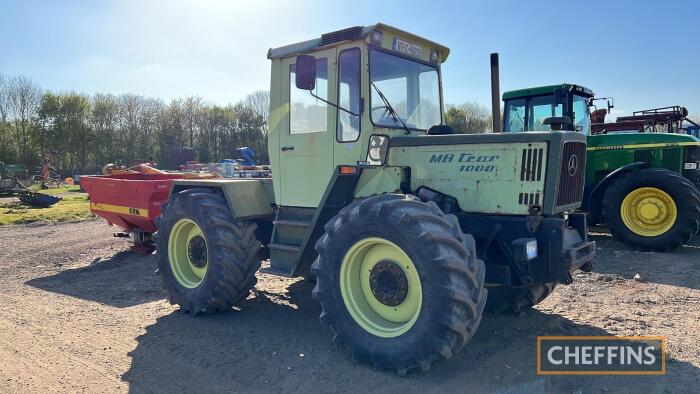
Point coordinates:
[[331, 94], [546, 108]]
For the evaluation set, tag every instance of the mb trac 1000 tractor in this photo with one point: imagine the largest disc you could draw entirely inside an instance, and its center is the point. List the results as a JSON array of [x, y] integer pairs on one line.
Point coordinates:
[[642, 172], [403, 224]]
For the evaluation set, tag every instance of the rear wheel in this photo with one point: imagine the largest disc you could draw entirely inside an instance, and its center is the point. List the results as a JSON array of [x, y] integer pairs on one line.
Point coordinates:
[[398, 282], [653, 209], [206, 258]]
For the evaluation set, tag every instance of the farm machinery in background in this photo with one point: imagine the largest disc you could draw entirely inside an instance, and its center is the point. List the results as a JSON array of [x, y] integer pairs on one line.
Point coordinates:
[[131, 198], [672, 119], [642, 171], [243, 166], [12, 186]]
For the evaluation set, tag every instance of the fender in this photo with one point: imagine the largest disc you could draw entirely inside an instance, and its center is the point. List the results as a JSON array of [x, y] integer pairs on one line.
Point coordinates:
[[593, 200]]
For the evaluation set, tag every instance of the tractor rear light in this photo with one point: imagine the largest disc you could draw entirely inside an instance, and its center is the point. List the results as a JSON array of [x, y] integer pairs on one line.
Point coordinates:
[[348, 170], [690, 166]]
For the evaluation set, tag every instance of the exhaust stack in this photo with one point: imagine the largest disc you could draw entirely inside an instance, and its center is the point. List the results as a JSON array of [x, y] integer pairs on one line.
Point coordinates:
[[495, 94]]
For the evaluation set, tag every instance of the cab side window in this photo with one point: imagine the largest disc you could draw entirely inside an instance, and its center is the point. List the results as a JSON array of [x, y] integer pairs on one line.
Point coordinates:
[[308, 114], [348, 127]]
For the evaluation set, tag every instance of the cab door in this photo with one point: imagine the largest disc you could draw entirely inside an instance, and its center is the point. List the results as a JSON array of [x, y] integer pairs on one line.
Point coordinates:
[[307, 134]]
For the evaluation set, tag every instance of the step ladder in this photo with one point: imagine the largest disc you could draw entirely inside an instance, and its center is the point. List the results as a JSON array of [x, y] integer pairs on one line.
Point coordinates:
[[291, 228]]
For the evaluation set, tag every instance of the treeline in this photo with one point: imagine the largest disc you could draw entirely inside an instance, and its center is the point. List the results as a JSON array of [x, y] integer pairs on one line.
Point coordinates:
[[84, 132], [469, 118], [81, 133]]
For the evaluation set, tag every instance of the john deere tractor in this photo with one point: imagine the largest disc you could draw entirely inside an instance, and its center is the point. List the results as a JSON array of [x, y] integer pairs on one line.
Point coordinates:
[[403, 224], [642, 171]]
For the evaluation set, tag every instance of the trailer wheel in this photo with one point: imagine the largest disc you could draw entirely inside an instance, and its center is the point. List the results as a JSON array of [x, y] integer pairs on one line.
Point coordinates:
[[207, 259], [652, 209], [398, 282], [516, 299]]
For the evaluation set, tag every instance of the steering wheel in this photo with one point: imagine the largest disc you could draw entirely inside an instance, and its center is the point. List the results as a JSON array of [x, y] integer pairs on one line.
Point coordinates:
[[386, 109], [386, 114]]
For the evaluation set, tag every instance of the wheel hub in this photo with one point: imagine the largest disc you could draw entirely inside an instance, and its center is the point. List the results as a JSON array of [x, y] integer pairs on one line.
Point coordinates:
[[197, 251], [388, 283], [648, 211]]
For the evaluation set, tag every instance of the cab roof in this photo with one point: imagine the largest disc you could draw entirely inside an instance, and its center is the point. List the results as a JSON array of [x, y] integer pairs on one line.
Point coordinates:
[[349, 34], [549, 89]]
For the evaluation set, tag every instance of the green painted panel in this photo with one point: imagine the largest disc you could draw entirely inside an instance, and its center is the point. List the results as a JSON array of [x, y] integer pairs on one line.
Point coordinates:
[[549, 89], [247, 198], [380, 180], [484, 178], [607, 152]]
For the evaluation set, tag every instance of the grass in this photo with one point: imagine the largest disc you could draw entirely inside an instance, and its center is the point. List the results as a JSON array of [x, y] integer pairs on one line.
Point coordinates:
[[69, 209], [56, 190]]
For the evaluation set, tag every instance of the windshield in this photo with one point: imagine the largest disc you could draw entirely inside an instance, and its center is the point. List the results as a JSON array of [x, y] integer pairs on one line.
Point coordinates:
[[411, 88], [528, 114]]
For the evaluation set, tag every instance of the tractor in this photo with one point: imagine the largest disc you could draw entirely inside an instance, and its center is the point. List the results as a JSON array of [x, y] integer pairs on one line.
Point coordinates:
[[642, 171], [403, 225]]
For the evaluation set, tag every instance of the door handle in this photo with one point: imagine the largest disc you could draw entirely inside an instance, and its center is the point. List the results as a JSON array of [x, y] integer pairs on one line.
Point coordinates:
[[287, 147]]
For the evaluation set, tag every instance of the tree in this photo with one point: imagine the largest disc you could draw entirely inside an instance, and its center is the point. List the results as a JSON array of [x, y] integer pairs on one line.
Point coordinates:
[[259, 102], [23, 97], [469, 118]]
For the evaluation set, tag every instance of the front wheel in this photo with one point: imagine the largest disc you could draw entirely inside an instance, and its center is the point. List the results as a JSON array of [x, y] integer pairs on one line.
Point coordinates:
[[653, 209], [398, 282]]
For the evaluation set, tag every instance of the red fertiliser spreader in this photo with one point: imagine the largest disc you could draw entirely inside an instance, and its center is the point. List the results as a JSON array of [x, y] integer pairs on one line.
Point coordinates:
[[131, 201]]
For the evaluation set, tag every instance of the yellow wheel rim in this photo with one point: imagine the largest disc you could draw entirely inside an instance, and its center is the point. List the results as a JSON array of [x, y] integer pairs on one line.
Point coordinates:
[[648, 211], [187, 253], [359, 286]]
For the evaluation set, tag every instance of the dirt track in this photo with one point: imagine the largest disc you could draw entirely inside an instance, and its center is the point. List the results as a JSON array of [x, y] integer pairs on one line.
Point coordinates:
[[79, 313]]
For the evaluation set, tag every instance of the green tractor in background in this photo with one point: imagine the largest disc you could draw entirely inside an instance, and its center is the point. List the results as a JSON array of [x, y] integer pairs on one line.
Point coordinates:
[[403, 224], [642, 171]]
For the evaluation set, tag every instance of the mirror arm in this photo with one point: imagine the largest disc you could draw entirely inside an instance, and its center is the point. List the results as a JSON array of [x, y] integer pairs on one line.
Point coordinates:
[[332, 104]]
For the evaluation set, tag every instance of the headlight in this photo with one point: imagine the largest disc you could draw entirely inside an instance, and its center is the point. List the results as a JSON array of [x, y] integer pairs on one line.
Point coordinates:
[[376, 153], [434, 56], [531, 249], [377, 38], [690, 166], [524, 249]]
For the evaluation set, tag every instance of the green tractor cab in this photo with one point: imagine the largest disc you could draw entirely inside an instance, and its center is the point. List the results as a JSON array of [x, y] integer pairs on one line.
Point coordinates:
[[642, 171], [405, 226]]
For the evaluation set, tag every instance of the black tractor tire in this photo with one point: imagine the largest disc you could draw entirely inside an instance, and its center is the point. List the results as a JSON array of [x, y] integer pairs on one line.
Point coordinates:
[[684, 194], [516, 299], [231, 249], [451, 277]]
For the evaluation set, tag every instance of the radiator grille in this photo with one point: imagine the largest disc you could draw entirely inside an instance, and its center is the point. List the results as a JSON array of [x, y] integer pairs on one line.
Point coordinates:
[[644, 155], [671, 159], [573, 166], [531, 164], [529, 199]]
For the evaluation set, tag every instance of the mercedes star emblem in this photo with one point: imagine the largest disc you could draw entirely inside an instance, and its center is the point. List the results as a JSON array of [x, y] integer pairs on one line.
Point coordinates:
[[573, 165]]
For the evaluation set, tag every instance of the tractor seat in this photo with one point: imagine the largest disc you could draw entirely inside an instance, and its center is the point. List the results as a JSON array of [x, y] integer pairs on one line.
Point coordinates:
[[440, 129]]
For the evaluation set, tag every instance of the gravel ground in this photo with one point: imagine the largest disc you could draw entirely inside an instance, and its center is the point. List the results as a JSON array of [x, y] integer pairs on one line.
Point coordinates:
[[78, 312]]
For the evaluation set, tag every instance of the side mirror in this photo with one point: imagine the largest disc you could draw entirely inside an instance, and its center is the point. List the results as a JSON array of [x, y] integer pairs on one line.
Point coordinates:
[[558, 123], [305, 72]]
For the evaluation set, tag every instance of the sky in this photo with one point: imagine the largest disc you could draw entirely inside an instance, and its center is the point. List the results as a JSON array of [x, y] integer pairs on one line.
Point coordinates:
[[644, 54]]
